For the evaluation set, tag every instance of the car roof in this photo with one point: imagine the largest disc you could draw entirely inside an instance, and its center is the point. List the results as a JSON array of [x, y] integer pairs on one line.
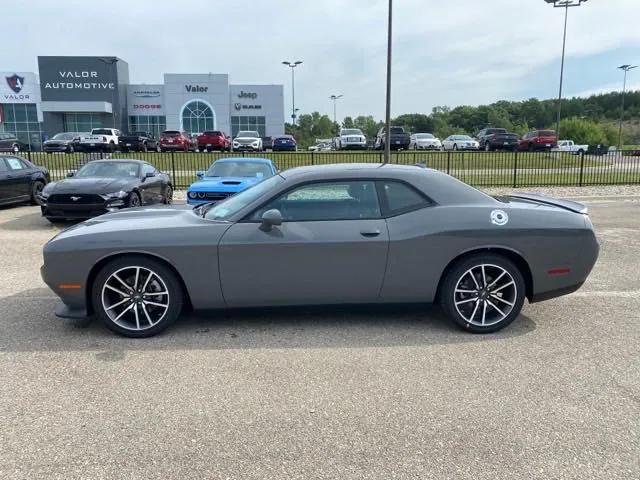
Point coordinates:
[[351, 170], [118, 160], [245, 160]]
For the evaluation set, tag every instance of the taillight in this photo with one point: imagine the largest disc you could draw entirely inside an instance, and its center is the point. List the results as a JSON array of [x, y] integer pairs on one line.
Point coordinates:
[[104, 139]]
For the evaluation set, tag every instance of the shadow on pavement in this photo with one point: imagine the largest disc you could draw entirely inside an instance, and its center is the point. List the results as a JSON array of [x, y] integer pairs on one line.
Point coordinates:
[[27, 323]]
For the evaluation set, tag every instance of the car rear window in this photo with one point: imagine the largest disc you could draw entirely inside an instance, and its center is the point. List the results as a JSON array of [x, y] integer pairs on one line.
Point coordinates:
[[100, 131], [212, 133], [171, 133], [546, 133], [402, 198], [396, 130]]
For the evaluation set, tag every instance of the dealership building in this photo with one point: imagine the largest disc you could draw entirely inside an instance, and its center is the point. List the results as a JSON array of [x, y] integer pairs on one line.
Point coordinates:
[[76, 94]]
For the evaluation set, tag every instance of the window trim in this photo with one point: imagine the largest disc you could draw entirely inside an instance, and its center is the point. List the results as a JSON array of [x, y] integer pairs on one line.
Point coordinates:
[[382, 200]]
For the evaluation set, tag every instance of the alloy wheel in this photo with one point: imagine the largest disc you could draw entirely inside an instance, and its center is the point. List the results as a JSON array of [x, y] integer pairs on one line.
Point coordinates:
[[485, 295], [135, 298]]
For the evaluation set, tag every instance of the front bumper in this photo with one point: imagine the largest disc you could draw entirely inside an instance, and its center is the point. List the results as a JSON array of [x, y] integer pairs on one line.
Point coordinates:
[[74, 302], [428, 146], [55, 148], [249, 148], [79, 212]]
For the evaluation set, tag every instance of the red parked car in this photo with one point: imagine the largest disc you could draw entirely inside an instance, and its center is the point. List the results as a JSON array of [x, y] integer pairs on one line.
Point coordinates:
[[177, 140], [538, 140], [213, 140]]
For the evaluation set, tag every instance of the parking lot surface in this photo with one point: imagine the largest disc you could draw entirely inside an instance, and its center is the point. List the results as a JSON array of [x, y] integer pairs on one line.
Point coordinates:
[[358, 393]]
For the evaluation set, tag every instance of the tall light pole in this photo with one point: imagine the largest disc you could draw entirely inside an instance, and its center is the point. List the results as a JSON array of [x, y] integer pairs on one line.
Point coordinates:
[[110, 61], [293, 66], [387, 120], [624, 68], [335, 99], [563, 4]]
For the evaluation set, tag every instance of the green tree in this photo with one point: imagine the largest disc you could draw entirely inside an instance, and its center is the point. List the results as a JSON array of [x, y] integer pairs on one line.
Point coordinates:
[[348, 123], [367, 124], [584, 131]]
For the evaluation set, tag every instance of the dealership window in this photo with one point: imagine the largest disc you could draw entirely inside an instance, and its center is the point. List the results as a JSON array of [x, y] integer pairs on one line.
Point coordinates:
[[197, 117], [148, 123], [82, 122], [248, 123], [21, 119]]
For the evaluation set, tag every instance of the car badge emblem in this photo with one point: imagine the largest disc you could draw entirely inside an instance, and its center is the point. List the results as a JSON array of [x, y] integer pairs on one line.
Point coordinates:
[[75, 199], [238, 106], [499, 217], [15, 82]]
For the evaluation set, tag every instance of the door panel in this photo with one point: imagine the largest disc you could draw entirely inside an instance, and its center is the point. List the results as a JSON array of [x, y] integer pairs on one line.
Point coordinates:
[[19, 178], [5, 182], [316, 262]]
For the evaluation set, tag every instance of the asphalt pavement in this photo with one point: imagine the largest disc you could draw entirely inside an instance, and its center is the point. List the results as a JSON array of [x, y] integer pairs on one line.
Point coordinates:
[[353, 393]]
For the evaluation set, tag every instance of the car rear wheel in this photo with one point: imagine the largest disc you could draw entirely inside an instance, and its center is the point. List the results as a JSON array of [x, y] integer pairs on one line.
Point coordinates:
[[487, 147], [483, 293], [36, 189], [168, 196], [70, 148], [16, 148], [137, 296]]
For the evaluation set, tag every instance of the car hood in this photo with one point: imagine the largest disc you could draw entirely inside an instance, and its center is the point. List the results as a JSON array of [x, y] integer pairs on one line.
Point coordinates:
[[110, 228], [246, 139], [56, 142], [427, 140], [90, 185], [234, 184]]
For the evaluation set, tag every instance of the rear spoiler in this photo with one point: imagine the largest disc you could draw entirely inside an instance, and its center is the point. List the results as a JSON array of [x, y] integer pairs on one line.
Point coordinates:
[[556, 202]]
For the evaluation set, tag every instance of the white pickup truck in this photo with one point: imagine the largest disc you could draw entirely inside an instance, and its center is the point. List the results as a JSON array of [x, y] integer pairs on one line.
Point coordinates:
[[104, 139], [569, 146]]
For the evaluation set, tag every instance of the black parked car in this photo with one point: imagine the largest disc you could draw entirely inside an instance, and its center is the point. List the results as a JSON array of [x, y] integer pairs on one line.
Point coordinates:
[[103, 186], [63, 142], [497, 139], [10, 143], [398, 139], [139, 142], [21, 180]]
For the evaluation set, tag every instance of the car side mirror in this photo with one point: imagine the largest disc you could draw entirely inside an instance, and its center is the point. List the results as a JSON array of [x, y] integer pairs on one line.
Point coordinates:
[[149, 174], [271, 218], [200, 174], [70, 173]]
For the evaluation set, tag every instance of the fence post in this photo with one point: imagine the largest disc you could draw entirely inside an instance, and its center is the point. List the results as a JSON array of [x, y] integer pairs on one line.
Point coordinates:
[[581, 168], [29, 154], [448, 162], [312, 158], [173, 170], [515, 168]]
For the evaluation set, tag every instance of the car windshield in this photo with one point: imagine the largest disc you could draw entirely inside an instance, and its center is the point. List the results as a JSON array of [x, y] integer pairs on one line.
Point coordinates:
[[352, 131], [109, 169], [463, 137], [239, 169], [212, 134], [423, 136], [248, 133], [235, 203], [64, 136]]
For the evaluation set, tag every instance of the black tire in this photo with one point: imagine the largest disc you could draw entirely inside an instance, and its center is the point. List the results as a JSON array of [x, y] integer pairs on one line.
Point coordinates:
[[158, 149], [581, 152], [70, 149], [168, 195], [36, 188], [133, 200], [144, 147], [15, 148], [455, 147], [530, 148], [487, 147], [493, 263], [168, 280]]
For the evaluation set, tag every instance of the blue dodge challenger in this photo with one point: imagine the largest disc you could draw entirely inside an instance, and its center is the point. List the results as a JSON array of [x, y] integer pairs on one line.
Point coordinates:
[[228, 176]]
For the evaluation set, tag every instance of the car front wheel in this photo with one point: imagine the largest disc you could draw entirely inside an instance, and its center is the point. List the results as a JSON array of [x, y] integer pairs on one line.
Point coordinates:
[[133, 200], [483, 293], [137, 296]]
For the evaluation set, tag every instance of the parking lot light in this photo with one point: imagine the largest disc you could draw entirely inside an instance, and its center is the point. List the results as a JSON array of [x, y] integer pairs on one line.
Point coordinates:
[[563, 4], [293, 66], [625, 69], [387, 119], [335, 99]]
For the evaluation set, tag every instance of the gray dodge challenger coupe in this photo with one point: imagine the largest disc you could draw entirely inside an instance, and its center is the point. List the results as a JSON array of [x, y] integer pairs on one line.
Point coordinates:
[[332, 234]]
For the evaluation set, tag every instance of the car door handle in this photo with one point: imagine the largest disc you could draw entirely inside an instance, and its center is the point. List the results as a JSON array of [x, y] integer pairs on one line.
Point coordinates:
[[370, 233]]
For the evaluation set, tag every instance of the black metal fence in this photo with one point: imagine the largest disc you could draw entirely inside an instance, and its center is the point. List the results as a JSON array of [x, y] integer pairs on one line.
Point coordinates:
[[478, 168]]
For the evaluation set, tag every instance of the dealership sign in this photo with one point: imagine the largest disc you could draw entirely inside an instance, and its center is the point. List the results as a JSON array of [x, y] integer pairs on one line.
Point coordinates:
[[18, 87], [196, 89], [251, 95], [146, 93], [239, 106], [86, 80]]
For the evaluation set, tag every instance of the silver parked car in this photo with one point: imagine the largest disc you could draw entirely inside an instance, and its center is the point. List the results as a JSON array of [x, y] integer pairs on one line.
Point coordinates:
[[460, 142], [332, 234], [424, 141]]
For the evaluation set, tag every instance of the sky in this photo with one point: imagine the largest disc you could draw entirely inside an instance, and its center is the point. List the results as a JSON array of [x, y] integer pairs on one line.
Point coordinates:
[[445, 52]]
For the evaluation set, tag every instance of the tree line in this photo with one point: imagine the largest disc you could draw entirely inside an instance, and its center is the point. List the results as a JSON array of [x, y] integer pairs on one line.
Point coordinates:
[[592, 120]]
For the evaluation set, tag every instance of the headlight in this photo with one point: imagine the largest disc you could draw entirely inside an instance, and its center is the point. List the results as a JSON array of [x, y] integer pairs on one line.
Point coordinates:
[[255, 144], [236, 144], [111, 196], [201, 194], [193, 195]]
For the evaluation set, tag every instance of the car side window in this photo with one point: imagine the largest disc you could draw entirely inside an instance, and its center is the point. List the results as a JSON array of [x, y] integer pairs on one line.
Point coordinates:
[[401, 198], [3, 166], [146, 168], [15, 164], [351, 200]]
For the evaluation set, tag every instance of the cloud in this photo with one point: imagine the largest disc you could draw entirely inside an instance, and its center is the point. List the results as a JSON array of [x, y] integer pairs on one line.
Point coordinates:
[[454, 52]]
